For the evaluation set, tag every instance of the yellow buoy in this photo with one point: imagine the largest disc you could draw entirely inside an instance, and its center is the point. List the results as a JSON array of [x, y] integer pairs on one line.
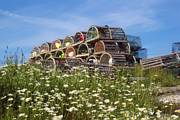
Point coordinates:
[[67, 44], [58, 45]]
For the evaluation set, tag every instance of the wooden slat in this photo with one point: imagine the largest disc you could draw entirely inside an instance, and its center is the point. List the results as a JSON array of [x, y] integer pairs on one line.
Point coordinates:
[[151, 59], [114, 40], [97, 53], [154, 66], [156, 62], [152, 62], [82, 55]]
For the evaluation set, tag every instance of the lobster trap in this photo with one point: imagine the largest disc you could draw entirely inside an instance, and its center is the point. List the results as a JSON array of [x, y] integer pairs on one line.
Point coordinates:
[[101, 47]]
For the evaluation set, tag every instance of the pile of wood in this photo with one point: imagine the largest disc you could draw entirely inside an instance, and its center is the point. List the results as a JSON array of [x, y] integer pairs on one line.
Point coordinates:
[[100, 46], [171, 60]]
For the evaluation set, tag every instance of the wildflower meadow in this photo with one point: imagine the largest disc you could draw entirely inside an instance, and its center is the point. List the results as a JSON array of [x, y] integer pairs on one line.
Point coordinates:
[[28, 92]]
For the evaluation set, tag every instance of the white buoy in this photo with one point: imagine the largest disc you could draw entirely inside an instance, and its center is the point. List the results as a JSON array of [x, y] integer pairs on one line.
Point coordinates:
[[71, 54], [110, 61], [57, 45], [67, 44]]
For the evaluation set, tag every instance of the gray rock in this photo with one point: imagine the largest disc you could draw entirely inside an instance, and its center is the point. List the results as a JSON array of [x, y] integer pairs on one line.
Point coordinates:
[[169, 98]]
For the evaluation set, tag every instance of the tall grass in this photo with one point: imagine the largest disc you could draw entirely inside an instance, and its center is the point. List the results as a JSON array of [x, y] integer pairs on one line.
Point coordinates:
[[28, 92]]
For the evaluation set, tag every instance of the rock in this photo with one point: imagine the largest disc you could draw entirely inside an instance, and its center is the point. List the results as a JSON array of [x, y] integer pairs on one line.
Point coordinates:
[[169, 98], [167, 95], [165, 90]]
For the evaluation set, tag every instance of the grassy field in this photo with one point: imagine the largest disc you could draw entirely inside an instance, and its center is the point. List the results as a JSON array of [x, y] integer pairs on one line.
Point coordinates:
[[28, 92]]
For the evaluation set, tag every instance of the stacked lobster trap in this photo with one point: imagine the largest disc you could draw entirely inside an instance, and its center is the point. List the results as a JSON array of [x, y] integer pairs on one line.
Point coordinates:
[[99, 46], [170, 61], [102, 47]]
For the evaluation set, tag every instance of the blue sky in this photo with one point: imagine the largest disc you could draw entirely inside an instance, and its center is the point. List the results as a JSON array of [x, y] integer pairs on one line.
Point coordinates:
[[26, 23]]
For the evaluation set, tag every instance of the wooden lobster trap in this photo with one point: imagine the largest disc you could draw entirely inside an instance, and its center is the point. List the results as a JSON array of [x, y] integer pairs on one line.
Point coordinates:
[[171, 60], [54, 64], [152, 63], [35, 52], [36, 60], [104, 32], [84, 50], [68, 41], [80, 37], [70, 52], [45, 47], [112, 46], [97, 32], [57, 44], [58, 54], [93, 59], [100, 47], [117, 59]]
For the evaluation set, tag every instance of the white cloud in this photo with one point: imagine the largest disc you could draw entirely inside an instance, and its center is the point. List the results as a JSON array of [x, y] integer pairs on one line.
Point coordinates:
[[49, 29], [137, 15], [133, 18], [49, 23], [128, 14]]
